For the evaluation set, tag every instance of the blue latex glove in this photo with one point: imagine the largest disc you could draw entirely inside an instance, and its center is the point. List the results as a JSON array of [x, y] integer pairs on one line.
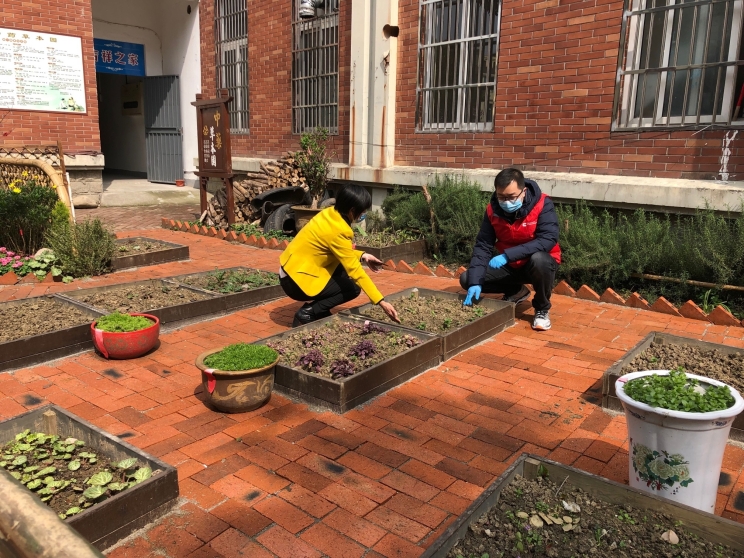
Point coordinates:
[[474, 291], [497, 261]]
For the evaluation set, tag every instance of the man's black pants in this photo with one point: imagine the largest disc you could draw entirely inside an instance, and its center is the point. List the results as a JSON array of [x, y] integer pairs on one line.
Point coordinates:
[[539, 271], [339, 289]]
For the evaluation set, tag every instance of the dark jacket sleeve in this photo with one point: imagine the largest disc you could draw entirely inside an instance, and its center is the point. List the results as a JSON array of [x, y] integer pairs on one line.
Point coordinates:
[[546, 235], [482, 252]]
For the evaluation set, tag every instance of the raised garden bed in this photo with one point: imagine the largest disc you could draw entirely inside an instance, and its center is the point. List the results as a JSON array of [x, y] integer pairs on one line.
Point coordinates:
[[393, 358], [115, 514], [39, 329], [514, 517], [168, 301], [660, 351], [140, 251], [442, 313], [408, 251], [240, 286]]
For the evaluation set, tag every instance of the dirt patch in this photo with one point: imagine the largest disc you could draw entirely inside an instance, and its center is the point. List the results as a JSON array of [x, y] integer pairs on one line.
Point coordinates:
[[384, 239], [140, 298], [432, 314], [37, 316], [233, 281], [64, 473], [515, 527], [133, 247], [340, 349], [711, 364]]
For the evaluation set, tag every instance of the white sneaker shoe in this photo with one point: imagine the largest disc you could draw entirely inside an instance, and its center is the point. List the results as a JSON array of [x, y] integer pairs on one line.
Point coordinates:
[[541, 321]]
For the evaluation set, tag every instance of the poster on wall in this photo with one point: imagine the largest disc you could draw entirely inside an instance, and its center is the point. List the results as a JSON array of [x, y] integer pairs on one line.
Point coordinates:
[[117, 57], [40, 71]]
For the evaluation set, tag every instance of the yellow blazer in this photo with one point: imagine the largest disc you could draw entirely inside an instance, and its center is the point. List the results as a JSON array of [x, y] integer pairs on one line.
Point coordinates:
[[317, 250]]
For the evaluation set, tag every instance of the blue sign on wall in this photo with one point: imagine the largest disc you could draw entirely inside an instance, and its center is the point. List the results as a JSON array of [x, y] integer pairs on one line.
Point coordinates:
[[116, 57]]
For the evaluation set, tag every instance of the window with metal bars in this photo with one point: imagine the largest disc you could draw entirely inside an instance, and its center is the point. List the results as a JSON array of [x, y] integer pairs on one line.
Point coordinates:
[[315, 69], [231, 36], [683, 64], [457, 57]]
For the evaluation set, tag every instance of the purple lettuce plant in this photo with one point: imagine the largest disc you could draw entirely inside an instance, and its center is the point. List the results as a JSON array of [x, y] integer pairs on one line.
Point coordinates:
[[371, 327], [341, 369], [311, 361], [313, 339], [363, 350]]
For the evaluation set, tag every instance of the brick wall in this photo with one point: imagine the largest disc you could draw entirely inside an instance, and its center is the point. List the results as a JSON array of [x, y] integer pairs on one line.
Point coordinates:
[[78, 132], [270, 77], [554, 96]]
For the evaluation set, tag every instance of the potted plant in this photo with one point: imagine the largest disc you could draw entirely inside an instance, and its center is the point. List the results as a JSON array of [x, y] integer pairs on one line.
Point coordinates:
[[315, 163], [239, 377], [678, 425], [123, 336]]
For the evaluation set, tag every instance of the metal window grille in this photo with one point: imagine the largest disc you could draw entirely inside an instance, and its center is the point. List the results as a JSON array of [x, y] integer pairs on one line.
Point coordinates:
[[315, 69], [231, 36], [681, 65], [457, 59]]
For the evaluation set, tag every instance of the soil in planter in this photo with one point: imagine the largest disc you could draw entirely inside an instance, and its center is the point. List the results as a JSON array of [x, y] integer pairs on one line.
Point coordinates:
[[141, 298], [133, 247], [384, 239], [431, 313], [515, 527], [37, 316], [233, 281], [65, 474], [710, 364], [340, 349]]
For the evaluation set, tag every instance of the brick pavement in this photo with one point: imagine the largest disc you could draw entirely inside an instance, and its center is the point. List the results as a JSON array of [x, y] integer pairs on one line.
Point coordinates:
[[138, 217], [382, 480]]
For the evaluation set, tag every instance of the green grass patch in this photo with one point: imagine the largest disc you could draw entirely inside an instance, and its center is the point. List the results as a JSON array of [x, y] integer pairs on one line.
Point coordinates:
[[238, 281], [122, 323], [241, 356]]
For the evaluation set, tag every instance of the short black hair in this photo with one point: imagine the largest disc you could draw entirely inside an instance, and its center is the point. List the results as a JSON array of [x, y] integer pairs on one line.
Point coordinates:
[[507, 176], [354, 198]]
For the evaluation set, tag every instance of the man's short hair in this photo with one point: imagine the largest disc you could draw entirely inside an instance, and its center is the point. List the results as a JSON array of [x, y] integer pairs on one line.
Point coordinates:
[[507, 176]]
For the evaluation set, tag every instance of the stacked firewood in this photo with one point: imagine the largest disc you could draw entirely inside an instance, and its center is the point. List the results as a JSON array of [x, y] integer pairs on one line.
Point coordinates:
[[281, 173]]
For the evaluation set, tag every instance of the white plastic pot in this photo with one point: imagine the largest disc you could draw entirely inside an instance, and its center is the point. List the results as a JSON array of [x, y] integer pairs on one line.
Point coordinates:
[[675, 454]]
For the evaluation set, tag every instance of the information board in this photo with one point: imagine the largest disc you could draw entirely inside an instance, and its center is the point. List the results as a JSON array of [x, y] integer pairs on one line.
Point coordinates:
[[117, 57], [39, 71]]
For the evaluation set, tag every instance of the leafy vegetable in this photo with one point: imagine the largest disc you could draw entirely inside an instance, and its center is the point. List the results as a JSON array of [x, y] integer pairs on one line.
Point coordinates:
[[127, 463], [313, 359], [74, 465], [363, 349], [94, 492], [241, 356], [101, 479], [142, 474], [341, 369], [122, 323], [678, 392]]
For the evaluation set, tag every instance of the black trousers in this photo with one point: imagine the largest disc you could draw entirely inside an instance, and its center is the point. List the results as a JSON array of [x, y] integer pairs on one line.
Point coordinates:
[[339, 289], [539, 271]]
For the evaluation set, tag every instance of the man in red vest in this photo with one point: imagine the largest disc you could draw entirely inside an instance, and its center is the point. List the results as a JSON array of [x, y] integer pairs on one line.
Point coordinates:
[[521, 225]]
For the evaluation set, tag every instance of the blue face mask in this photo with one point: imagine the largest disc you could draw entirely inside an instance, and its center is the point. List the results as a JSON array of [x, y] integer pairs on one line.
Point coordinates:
[[511, 206]]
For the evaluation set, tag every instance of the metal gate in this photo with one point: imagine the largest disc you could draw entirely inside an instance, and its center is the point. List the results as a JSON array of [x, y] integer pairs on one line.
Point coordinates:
[[163, 132]]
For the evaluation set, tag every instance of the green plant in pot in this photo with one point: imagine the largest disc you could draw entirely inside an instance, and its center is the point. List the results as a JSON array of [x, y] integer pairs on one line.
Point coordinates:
[[314, 161], [239, 377], [124, 336]]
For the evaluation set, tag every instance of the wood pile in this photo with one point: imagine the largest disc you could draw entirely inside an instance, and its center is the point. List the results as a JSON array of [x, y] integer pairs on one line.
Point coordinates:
[[281, 173]]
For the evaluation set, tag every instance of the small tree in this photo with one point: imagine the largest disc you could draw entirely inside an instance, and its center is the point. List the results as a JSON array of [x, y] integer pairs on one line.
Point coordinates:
[[315, 162]]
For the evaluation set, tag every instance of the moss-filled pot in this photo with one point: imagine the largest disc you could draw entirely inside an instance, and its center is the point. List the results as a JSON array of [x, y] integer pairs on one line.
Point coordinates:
[[236, 391], [127, 344]]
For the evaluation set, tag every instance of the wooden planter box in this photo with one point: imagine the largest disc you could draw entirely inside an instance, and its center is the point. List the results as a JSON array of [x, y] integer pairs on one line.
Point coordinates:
[[178, 313], [345, 394], [234, 301], [610, 399], [115, 518], [36, 349], [173, 253], [408, 251], [705, 525], [464, 337]]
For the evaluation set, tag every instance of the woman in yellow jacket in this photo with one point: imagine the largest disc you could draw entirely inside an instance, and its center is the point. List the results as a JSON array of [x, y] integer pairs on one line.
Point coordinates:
[[321, 264]]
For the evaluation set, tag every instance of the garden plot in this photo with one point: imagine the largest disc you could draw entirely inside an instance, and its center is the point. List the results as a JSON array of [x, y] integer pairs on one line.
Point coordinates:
[[659, 351], [396, 246], [540, 508], [103, 487], [240, 286], [140, 251], [38, 329], [442, 313], [341, 362]]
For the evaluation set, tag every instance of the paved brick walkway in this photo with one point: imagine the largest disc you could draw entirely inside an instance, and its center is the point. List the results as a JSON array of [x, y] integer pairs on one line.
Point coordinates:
[[382, 480], [138, 217]]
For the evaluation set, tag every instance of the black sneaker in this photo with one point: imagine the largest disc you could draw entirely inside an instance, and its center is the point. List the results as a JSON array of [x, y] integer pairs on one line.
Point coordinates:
[[520, 296]]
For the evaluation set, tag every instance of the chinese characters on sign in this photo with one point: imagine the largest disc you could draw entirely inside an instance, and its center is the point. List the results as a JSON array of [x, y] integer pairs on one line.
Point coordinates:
[[39, 71], [212, 153], [115, 57]]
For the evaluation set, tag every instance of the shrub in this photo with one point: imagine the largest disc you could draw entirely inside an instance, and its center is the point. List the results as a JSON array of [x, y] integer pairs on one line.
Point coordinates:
[[60, 214], [84, 248], [241, 356], [315, 161], [122, 323], [25, 215]]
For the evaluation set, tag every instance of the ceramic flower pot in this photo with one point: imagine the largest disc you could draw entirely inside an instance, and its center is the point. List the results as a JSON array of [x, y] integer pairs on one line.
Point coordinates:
[[676, 454], [131, 344], [303, 215], [238, 391]]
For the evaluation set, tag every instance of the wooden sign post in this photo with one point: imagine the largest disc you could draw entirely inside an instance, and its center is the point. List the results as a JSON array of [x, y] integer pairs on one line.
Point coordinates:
[[215, 154]]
